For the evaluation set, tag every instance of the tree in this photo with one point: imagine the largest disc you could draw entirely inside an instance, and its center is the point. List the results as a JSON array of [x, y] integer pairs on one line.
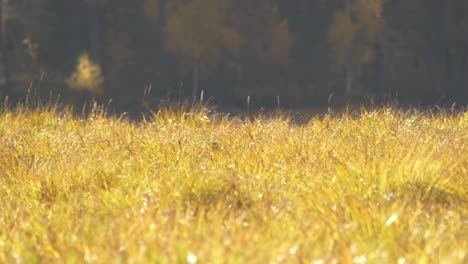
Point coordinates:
[[6, 12], [132, 50], [426, 58], [195, 34], [446, 46], [155, 11], [95, 30], [264, 46], [296, 49], [354, 37], [87, 77]]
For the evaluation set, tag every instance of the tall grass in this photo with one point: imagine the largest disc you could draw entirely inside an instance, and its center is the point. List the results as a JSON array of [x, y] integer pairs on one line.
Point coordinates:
[[383, 186]]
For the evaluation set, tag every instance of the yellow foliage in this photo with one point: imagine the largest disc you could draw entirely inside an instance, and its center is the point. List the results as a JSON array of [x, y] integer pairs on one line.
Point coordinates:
[[151, 8], [120, 53], [232, 40], [281, 42], [367, 11], [341, 36], [367, 55], [354, 32], [87, 76], [195, 30], [368, 15], [33, 48], [266, 36]]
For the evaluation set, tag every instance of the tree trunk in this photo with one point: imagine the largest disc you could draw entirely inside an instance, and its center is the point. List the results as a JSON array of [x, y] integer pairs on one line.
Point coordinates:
[[162, 32], [463, 80], [4, 49], [449, 78], [349, 68], [378, 71], [164, 60], [349, 82], [162, 15], [348, 4], [74, 13], [195, 82]]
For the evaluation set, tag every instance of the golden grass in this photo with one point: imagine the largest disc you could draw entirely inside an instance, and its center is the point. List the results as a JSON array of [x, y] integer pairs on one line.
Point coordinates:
[[384, 186]]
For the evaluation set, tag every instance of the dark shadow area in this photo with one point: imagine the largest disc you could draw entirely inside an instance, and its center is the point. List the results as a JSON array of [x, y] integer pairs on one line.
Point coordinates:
[[242, 56]]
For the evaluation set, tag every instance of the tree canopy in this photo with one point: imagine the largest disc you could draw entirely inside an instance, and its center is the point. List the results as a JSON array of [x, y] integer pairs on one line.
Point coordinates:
[[302, 51]]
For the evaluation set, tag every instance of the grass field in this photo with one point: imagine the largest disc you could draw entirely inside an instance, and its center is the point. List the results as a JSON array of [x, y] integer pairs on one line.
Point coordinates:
[[383, 186]]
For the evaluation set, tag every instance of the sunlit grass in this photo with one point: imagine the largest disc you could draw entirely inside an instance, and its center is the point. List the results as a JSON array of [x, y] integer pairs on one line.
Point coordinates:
[[383, 186]]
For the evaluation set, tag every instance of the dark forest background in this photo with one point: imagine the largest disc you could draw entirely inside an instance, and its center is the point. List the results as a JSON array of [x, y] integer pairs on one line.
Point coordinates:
[[303, 53]]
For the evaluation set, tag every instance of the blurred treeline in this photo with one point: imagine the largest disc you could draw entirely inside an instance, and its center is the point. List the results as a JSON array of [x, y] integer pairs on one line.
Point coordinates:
[[307, 53]]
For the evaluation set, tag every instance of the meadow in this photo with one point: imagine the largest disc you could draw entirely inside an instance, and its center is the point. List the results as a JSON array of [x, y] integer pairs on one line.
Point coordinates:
[[372, 186]]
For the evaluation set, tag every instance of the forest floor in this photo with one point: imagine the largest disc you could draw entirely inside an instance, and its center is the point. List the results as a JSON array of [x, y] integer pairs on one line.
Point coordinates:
[[377, 186]]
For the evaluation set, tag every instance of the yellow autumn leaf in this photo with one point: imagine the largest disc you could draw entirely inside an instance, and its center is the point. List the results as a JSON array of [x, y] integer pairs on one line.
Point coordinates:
[[87, 76]]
